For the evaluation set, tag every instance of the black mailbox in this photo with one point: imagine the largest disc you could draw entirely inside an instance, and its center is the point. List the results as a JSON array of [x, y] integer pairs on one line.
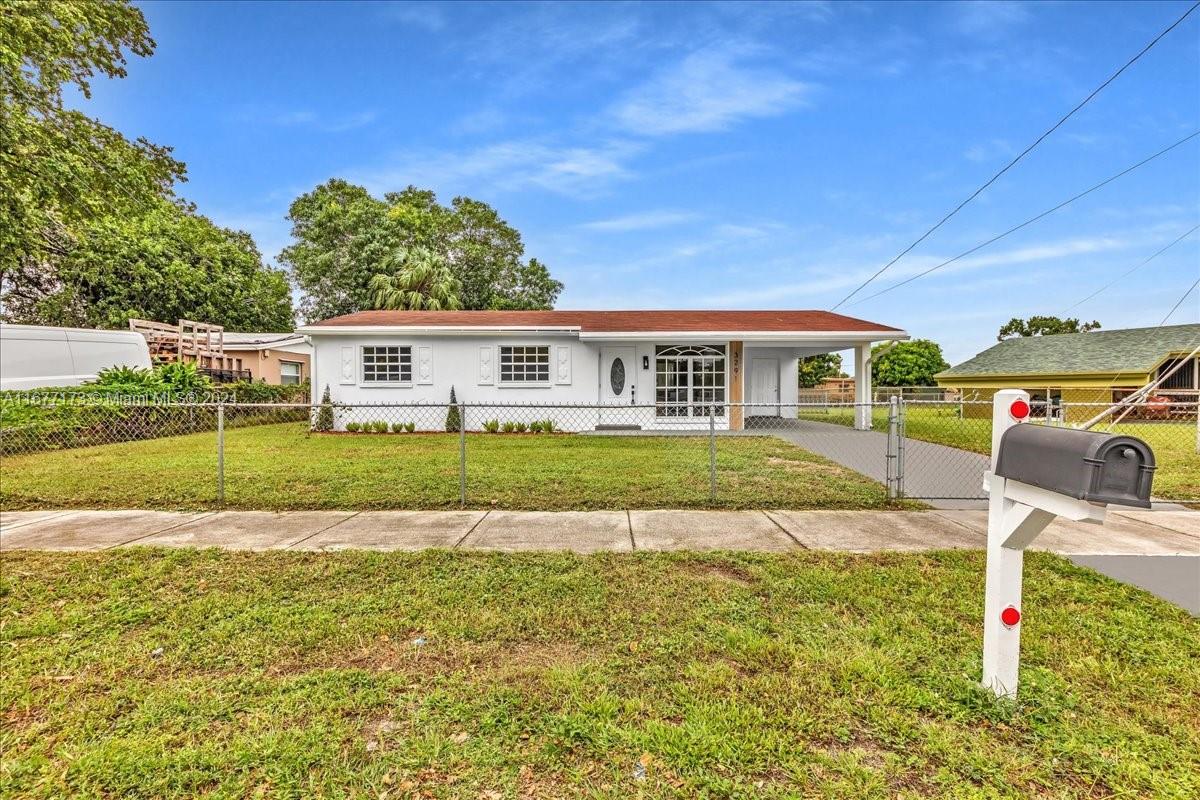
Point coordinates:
[[1097, 467]]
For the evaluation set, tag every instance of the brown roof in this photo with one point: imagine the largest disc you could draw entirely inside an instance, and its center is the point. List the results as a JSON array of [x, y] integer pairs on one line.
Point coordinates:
[[615, 321]]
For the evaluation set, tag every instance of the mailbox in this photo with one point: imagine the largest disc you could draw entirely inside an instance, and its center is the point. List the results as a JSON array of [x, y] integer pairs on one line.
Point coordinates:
[[1096, 467]]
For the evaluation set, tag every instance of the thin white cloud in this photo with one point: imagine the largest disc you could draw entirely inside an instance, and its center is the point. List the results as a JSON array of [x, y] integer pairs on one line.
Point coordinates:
[[991, 150], [707, 91], [420, 15], [645, 220], [514, 165], [988, 17], [304, 118]]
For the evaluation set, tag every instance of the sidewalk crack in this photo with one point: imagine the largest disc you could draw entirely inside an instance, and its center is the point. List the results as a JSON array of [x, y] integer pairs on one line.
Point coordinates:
[[318, 533], [786, 532], [629, 522], [163, 530], [478, 522]]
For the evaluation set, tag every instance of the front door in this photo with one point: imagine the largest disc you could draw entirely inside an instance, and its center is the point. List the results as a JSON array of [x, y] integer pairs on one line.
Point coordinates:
[[617, 376], [764, 387]]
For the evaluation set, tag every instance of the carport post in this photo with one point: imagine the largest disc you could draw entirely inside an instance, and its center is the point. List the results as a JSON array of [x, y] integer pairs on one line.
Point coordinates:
[[462, 455], [712, 455], [220, 454]]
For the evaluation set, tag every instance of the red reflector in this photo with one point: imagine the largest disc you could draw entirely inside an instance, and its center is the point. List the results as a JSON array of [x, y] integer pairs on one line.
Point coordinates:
[[1019, 409], [1010, 616]]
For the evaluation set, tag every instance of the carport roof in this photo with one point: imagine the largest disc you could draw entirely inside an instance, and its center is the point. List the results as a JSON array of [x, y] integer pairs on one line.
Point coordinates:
[[694, 321]]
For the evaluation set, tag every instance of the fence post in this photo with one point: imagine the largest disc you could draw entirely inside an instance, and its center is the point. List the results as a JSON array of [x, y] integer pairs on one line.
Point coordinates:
[[902, 409], [462, 455], [712, 455], [220, 454], [892, 454]]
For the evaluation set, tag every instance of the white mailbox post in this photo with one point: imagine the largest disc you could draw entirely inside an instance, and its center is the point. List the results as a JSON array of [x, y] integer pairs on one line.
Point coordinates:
[[1086, 470]]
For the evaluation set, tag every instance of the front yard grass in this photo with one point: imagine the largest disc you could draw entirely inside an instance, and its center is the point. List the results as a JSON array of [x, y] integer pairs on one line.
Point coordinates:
[[144, 673], [1174, 443], [283, 467]]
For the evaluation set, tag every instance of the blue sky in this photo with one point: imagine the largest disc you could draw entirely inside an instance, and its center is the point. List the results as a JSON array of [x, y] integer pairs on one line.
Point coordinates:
[[726, 155]]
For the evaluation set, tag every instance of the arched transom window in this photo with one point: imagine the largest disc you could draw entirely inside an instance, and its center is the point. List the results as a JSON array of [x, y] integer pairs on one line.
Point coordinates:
[[689, 380]]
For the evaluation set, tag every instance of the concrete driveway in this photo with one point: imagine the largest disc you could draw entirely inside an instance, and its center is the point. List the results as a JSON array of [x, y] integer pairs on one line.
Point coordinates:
[[944, 477]]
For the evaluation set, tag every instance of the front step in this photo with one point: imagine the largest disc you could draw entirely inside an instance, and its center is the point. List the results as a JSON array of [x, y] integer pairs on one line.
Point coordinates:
[[618, 427]]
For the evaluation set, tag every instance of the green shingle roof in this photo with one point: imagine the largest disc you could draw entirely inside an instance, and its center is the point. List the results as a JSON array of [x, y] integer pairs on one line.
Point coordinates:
[[1128, 350]]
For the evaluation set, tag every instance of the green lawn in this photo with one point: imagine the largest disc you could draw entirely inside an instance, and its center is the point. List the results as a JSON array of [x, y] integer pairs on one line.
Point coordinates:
[[1174, 443], [154, 674], [283, 467]]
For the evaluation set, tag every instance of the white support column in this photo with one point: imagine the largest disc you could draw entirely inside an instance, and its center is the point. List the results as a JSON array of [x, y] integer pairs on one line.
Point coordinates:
[[862, 386], [1002, 643]]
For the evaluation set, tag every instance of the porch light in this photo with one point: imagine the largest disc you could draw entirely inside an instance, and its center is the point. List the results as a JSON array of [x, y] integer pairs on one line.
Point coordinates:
[[645, 362]]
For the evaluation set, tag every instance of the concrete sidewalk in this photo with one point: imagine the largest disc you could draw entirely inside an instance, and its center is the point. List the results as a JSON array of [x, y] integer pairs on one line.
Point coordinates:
[[1126, 532]]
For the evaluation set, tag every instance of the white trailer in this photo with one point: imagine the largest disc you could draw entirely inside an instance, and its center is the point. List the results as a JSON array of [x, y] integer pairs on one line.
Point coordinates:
[[35, 356]]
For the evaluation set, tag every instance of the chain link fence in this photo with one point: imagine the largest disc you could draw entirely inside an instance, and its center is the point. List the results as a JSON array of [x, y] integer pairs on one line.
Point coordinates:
[[541, 456]]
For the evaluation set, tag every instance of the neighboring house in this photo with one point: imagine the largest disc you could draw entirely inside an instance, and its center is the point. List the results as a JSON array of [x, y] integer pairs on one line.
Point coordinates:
[[281, 358], [35, 356], [676, 365], [1098, 367]]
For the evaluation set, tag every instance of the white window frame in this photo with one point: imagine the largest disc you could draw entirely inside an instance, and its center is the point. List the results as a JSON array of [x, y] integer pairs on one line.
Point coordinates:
[[362, 366], [548, 365], [299, 365]]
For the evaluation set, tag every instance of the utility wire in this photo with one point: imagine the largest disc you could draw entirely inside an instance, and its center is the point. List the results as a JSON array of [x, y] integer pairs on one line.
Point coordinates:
[[1191, 289], [1031, 220], [1020, 156], [1126, 274]]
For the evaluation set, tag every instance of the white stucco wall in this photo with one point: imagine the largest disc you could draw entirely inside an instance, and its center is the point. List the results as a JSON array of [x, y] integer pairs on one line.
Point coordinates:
[[461, 361]]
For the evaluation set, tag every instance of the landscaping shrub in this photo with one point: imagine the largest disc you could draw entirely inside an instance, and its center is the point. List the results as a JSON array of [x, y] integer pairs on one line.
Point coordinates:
[[379, 426], [521, 427], [535, 426], [509, 427], [548, 425], [324, 421], [492, 426], [397, 427], [453, 415], [353, 427], [409, 427]]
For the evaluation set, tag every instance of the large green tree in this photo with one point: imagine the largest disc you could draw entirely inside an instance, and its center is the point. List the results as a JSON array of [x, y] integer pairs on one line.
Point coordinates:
[[91, 231], [1043, 326], [912, 363], [164, 264], [58, 167], [343, 237]]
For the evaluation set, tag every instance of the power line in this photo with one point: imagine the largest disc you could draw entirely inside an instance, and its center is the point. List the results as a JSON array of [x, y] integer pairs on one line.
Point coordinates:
[[1031, 220], [1020, 156], [1125, 275], [1191, 289]]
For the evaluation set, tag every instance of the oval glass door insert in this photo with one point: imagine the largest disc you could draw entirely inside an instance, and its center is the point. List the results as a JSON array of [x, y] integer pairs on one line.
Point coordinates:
[[616, 376]]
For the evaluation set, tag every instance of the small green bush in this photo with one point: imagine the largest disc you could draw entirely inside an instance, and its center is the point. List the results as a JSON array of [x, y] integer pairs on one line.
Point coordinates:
[[509, 427], [548, 425], [535, 426], [324, 421], [492, 426], [522, 427], [409, 427], [379, 426], [453, 415], [354, 427]]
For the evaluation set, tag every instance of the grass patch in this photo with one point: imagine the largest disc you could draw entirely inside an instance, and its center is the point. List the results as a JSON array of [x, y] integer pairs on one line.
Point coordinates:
[[153, 674], [284, 467], [1174, 443]]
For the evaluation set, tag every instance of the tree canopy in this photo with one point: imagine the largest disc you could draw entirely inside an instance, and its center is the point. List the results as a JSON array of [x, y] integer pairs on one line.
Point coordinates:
[[91, 231], [814, 369], [343, 237], [1044, 326], [912, 363]]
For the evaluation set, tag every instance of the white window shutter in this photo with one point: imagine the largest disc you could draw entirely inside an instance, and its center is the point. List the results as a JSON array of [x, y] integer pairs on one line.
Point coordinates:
[[487, 370], [348, 370], [562, 365], [425, 365]]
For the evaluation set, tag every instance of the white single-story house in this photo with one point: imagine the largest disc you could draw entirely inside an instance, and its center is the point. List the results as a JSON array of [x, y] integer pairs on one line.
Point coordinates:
[[673, 367]]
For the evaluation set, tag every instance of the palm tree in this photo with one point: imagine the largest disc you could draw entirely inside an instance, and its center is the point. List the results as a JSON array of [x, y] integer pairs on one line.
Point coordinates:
[[421, 282]]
